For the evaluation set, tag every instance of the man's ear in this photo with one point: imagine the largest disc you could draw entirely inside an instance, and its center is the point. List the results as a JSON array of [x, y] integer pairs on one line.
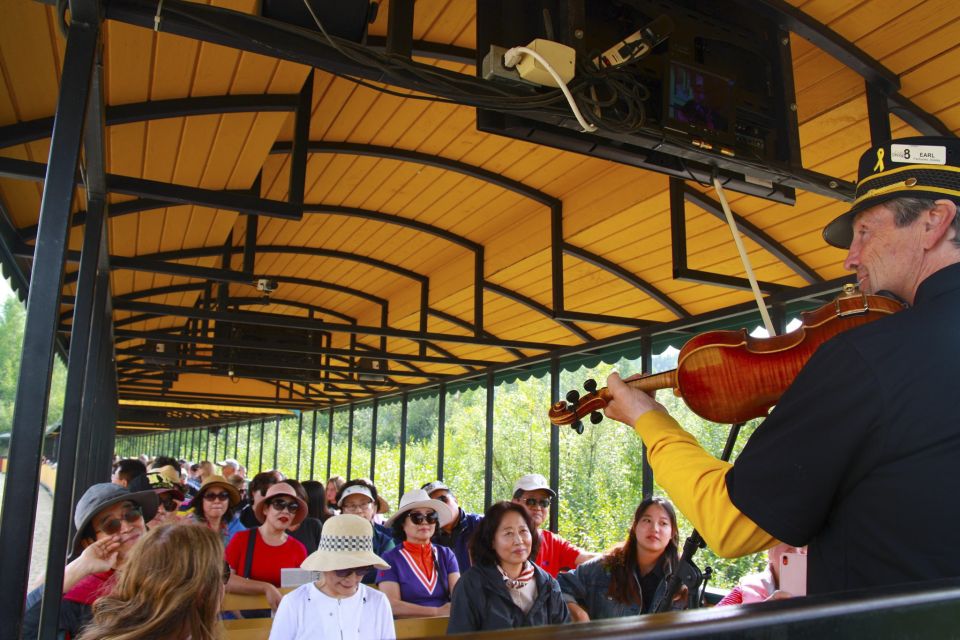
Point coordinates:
[[937, 223]]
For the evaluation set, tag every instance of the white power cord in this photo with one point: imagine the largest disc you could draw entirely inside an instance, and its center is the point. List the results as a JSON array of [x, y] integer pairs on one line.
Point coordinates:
[[512, 57]]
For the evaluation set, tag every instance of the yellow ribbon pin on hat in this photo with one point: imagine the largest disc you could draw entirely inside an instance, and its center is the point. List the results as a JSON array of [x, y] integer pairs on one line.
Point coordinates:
[[879, 165]]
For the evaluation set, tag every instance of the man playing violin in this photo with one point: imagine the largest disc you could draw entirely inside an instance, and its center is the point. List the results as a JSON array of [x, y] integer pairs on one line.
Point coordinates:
[[857, 459]]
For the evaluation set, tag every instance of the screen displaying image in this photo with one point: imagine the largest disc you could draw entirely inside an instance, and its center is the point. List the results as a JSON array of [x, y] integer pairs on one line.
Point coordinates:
[[700, 99]]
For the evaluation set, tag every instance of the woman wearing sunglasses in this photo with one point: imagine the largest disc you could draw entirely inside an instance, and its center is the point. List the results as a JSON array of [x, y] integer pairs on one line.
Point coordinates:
[[109, 521], [504, 589], [422, 575], [170, 588], [338, 605], [257, 555], [214, 507]]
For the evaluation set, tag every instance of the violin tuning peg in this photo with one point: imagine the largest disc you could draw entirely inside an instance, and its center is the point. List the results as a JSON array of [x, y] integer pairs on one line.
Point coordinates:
[[573, 396], [590, 385], [579, 428], [596, 417]]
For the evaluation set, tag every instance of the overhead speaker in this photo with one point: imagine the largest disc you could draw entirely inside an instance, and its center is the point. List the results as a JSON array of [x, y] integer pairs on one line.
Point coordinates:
[[347, 19]]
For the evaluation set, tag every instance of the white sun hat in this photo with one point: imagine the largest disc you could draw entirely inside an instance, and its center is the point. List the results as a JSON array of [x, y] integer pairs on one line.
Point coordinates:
[[346, 542], [420, 499]]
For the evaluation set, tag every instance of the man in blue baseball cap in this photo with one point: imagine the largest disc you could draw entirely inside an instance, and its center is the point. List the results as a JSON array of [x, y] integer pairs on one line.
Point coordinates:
[[855, 458]]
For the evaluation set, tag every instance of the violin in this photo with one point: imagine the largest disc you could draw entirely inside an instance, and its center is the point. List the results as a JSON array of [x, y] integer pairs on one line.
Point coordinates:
[[729, 377]]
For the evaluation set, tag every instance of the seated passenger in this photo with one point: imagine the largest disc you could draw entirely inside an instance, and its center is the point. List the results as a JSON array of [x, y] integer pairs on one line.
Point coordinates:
[[214, 507], [629, 578], [308, 531], [165, 482], [758, 587], [360, 497], [338, 605], [504, 589], [421, 576], [109, 521], [455, 534], [257, 555], [534, 494], [334, 487], [169, 589], [317, 500]]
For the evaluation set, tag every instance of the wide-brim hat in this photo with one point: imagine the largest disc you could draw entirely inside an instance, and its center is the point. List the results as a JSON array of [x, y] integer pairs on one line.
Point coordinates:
[[106, 494], [167, 474], [346, 542], [215, 481], [162, 481], [420, 499], [229, 462], [918, 167], [281, 489], [533, 482]]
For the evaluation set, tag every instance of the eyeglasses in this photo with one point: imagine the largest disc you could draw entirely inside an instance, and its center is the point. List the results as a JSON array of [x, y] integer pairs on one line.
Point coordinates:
[[168, 503], [113, 525], [419, 518], [210, 497], [226, 572], [543, 503], [280, 504], [354, 507], [346, 573]]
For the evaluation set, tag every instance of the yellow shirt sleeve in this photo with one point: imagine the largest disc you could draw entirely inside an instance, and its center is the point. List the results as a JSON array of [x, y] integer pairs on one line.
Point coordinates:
[[696, 482]]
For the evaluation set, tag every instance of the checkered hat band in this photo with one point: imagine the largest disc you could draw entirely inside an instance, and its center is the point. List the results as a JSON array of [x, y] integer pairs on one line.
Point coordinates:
[[346, 543], [945, 180]]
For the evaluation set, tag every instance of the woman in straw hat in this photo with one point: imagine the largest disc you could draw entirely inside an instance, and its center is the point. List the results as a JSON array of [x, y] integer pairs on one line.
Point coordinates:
[[338, 605], [214, 506], [423, 575], [257, 555], [170, 589]]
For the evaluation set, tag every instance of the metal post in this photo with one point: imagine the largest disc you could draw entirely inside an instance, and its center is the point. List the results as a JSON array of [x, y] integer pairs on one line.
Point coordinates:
[[555, 443], [299, 441], [216, 445], [276, 441], [403, 443], [226, 441], [263, 427], [313, 445], [350, 442], [373, 440], [488, 452], [441, 427], [63, 498], [236, 443], [646, 365], [42, 318], [246, 456], [329, 442]]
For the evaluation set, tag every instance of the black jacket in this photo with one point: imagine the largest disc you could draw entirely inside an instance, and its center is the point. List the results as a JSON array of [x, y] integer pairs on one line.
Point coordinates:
[[481, 603]]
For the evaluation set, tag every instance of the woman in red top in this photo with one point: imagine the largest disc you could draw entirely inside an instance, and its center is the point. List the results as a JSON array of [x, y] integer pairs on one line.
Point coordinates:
[[272, 547]]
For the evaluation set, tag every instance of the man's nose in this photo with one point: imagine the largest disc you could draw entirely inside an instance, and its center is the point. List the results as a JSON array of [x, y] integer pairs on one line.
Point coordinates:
[[853, 258]]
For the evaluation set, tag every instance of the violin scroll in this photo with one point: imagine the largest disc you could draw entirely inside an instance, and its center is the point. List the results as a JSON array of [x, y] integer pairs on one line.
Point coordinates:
[[576, 407]]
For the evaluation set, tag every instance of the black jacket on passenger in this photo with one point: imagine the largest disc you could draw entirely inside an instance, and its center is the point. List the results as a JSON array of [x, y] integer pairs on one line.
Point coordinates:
[[481, 603]]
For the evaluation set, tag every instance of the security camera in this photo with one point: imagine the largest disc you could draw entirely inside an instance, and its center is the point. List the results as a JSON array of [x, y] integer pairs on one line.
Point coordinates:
[[266, 285]]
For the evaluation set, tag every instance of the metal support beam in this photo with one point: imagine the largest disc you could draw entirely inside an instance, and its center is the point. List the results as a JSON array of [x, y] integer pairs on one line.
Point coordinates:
[[350, 442], [276, 442], [301, 137], [878, 114], [329, 442], [646, 471], [373, 439], [33, 387], [313, 446], [488, 441], [299, 443], [403, 442], [400, 28], [441, 427], [555, 443]]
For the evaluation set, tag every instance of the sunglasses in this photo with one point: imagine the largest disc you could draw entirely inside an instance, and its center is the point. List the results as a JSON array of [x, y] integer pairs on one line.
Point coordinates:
[[113, 525], [420, 518], [346, 573], [543, 503], [168, 503], [210, 497], [280, 505]]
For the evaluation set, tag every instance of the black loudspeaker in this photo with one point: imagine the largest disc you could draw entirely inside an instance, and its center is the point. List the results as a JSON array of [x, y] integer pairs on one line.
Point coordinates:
[[347, 19]]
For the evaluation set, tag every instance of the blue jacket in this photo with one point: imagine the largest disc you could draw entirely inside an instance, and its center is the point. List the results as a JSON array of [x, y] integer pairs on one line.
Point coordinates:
[[459, 538]]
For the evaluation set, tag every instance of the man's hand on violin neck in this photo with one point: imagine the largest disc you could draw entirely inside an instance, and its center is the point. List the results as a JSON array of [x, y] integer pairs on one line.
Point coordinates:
[[628, 404]]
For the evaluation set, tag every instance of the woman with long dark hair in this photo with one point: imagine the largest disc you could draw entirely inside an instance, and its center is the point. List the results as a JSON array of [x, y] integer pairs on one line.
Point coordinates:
[[629, 578]]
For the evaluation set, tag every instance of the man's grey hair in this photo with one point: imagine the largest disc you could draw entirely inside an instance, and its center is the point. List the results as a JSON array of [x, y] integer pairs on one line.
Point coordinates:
[[907, 210]]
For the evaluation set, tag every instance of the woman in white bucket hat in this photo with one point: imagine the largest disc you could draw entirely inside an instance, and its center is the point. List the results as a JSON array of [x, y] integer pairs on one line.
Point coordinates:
[[338, 605]]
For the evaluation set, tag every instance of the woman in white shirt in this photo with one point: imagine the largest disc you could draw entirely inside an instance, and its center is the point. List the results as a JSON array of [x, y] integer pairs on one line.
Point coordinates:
[[338, 605]]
